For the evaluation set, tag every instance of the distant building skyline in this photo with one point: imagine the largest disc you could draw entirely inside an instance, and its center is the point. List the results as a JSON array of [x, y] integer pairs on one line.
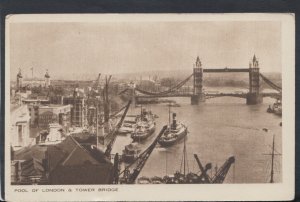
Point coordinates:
[[74, 50]]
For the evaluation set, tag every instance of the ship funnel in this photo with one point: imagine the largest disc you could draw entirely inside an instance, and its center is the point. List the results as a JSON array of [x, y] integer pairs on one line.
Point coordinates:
[[174, 120]]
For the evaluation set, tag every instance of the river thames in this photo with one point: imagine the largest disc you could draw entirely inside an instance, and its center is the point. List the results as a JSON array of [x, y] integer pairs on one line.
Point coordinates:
[[219, 128]]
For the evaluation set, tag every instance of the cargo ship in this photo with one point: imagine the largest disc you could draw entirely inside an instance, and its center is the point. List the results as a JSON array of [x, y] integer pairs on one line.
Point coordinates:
[[128, 125], [145, 126]]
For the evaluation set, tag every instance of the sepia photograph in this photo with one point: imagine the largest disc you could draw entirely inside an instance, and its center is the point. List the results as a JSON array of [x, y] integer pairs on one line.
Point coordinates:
[[147, 100]]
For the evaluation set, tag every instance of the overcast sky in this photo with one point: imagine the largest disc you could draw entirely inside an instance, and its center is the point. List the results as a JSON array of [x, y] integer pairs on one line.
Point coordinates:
[[72, 49]]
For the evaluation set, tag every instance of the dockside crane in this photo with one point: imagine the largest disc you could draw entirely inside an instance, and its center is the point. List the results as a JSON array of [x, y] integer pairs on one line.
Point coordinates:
[[141, 161], [96, 84], [116, 170], [94, 88], [222, 172], [105, 98], [115, 131], [203, 178]]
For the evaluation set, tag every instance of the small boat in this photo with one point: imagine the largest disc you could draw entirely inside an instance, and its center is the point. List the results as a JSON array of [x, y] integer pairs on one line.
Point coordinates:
[[177, 178], [145, 126], [174, 133], [192, 178], [169, 179], [157, 180], [265, 129], [276, 108], [130, 153], [144, 180], [270, 110], [126, 128], [128, 125], [174, 104]]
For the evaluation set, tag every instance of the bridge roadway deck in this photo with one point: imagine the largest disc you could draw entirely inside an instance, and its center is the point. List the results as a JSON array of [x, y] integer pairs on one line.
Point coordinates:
[[241, 95], [226, 70]]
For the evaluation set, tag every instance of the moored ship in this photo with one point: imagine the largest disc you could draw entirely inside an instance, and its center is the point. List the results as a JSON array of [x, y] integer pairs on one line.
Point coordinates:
[[174, 133], [128, 125], [130, 153], [276, 108], [145, 126]]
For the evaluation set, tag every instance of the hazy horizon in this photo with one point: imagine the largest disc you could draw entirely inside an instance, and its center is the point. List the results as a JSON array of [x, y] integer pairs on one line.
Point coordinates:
[[77, 50]]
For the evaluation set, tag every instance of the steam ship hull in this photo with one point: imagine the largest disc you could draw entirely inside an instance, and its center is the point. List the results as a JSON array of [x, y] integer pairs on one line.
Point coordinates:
[[139, 136], [169, 142]]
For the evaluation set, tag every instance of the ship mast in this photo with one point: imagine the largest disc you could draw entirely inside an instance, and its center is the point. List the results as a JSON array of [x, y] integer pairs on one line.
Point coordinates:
[[169, 116], [97, 126], [141, 112], [184, 153], [272, 159], [272, 169], [166, 162]]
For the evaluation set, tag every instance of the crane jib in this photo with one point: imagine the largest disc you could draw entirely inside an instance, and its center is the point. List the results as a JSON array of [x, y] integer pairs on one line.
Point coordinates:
[[142, 158]]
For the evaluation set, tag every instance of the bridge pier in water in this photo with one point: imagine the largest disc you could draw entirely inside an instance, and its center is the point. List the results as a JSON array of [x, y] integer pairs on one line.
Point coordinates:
[[253, 99], [195, 99]]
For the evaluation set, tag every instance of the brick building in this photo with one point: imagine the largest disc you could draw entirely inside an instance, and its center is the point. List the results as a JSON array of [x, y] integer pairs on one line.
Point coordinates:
[[54, 114]]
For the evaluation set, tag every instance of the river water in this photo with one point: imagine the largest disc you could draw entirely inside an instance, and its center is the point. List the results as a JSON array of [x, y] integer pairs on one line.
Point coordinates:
[[219, 128]]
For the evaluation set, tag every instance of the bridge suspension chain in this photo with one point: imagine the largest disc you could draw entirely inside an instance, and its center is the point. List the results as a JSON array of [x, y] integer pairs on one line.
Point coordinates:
[[270, 83], [172, 89]]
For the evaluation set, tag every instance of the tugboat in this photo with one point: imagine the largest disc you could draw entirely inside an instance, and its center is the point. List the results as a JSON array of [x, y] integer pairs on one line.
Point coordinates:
[[130, 153], [145, 126], [276, 108], [174, 133]]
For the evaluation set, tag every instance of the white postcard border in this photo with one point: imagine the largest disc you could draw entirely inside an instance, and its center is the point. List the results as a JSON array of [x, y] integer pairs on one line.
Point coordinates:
[[277, 191]]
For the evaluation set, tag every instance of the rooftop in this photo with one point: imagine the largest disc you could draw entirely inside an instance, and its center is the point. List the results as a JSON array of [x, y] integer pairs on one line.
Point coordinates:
[[51, 106]]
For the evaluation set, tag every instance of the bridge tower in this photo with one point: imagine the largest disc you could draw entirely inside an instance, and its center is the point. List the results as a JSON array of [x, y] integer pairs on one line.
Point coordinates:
[[198, 94], [254, 96]]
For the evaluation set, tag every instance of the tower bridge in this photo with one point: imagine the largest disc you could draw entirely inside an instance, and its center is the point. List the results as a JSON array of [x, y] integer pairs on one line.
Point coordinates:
[[197, 93]]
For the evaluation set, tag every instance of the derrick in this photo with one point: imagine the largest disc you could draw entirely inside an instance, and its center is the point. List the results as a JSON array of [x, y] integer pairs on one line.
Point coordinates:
[[129, 178], [222, 172], [114, 132]]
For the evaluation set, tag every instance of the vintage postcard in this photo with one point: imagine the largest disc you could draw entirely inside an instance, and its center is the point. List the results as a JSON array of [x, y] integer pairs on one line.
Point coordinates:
[[149, 107]]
